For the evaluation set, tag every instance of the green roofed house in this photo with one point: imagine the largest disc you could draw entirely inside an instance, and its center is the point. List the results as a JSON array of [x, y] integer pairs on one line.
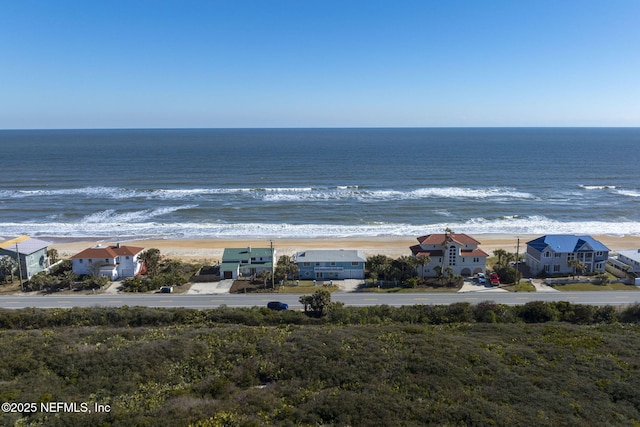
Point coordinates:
[[246, 261], [32, 253], [554, 254]]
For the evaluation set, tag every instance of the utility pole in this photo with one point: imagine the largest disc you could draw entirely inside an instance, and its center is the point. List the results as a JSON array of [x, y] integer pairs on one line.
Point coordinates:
[[273, 262], [19, 268], [517, 258]]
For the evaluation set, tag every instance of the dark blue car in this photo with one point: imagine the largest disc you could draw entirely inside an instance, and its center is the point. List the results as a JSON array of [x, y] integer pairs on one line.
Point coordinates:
[[277, 305]]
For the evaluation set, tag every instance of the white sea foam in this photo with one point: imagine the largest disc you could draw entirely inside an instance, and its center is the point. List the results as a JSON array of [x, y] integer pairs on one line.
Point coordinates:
[[629, 193], [598, 187], [110, 216], [111, 224], [280, 194], [350, 193]]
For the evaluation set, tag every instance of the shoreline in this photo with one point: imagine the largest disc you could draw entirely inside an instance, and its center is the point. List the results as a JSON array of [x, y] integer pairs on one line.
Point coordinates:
[[211, 249]]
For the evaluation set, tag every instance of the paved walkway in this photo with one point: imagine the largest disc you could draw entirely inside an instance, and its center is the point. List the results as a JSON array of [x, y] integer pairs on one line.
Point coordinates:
[[541, 287]]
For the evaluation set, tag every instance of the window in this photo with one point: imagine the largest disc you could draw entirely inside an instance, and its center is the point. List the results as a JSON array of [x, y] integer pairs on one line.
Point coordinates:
[[547, 254], [571, 256], [332, 263], [81, 261], [476, 260], [546, 268], [355, 264], [452, 255], [557, 255], [556, 268], [599, 253], [306, 264]]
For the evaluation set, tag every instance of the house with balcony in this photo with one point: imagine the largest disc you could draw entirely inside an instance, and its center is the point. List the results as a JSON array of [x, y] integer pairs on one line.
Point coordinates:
[[457, 251], [31, 252], [625, 264], [553, 254], [246, 262], [115, 262], [330, 264]]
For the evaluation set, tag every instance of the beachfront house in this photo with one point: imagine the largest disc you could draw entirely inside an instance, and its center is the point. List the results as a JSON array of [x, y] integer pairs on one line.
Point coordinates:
[[330, 264], [625, 263], [457, 251], [554, 253], [246, 262], [31, 252], [115, 262]]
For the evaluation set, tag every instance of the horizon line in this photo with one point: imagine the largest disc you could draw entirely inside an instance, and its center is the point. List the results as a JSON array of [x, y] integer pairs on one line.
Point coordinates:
[[318, 128]]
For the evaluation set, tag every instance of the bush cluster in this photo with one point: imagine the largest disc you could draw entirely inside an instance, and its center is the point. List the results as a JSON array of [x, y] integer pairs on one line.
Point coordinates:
[[337, 314], [394, 374], [169, 272]]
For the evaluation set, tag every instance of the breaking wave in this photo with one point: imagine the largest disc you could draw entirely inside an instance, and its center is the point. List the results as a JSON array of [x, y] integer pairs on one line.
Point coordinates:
[[279, 194], [111, 224]]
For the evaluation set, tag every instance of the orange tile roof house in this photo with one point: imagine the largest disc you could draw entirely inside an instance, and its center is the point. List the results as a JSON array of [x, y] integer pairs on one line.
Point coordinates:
[[459, 252], [115, 262]]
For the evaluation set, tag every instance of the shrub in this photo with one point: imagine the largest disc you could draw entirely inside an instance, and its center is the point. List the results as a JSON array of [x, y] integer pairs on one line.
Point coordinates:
[[539, 312]]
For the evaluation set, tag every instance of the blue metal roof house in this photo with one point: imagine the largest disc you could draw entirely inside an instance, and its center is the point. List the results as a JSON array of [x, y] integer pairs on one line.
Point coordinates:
[[552, 253], [330, 264]]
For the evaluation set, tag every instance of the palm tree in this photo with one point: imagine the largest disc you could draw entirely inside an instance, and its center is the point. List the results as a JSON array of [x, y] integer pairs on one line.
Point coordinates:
[[405, 262], [8, 266], [501, 254], [151, 259], [423, 260], [52, 254], [577, 266]]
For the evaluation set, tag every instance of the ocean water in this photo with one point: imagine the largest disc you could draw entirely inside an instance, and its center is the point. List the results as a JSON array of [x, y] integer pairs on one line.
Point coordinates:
[[270, 183]]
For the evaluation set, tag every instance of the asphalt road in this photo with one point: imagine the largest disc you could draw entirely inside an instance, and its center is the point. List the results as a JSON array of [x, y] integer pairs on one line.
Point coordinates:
[[349, 299]]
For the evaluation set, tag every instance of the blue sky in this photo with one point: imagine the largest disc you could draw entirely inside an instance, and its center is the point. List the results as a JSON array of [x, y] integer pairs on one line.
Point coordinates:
[[307, 63]]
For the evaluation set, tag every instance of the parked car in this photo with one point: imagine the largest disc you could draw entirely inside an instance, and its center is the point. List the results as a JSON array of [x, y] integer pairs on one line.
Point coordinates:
[[166, 289], [482, 279], [277, 305], [495, 280]]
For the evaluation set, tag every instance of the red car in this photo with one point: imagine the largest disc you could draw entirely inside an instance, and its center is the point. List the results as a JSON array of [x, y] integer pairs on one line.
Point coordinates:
[[495, 280]]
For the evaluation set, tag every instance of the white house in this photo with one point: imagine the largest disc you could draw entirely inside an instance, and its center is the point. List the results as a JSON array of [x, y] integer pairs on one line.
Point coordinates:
[[457, 251], [626, 263], [114, 262], [553, 253]]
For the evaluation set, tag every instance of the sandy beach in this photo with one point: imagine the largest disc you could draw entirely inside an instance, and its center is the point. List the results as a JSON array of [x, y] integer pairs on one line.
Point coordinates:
[[210, 250]]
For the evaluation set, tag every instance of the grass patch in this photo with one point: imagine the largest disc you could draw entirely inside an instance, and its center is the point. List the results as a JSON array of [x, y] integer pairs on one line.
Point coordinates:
[[522, 286], [593, 287], [305, 288], [419, 289]]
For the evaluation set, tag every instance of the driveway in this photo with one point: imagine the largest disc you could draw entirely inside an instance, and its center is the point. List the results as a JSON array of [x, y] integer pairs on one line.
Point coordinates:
[[221, 287], [469, 286]]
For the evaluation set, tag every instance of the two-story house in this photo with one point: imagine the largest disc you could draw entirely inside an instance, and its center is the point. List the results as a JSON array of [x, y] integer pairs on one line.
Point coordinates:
[[553, 253], [330, 264], [115, 262], [31, 252], [246, 261], [457, 251]]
